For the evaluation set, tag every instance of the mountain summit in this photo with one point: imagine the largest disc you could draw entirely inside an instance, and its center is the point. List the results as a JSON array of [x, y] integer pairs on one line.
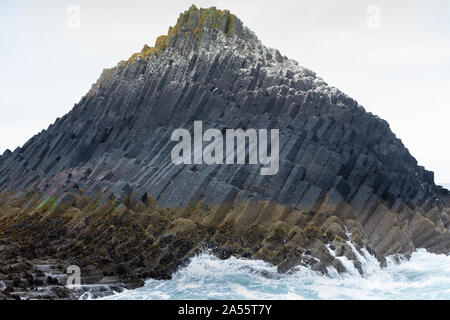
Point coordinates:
[[196, 28], [344, 176]]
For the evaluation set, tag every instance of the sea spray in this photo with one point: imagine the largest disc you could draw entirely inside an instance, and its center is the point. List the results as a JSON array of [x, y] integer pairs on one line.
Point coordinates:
[[423, 276]]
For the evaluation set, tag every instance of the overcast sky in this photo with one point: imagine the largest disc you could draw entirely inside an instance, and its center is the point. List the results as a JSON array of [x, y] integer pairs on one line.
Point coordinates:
[[392, 56]]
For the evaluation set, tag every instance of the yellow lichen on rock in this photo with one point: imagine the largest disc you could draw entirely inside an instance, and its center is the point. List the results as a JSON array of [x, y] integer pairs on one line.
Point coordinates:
[[193, 22]]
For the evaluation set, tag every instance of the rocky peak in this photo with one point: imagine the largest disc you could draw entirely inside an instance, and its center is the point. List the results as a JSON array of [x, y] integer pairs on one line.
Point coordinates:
[[220, 38], [194, 28]]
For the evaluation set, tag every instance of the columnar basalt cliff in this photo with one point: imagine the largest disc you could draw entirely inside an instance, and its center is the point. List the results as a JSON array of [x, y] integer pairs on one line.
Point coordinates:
[[344, 176]]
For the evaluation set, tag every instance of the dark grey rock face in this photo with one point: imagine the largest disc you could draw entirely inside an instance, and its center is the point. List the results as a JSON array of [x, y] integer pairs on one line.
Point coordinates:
[[116, 140]]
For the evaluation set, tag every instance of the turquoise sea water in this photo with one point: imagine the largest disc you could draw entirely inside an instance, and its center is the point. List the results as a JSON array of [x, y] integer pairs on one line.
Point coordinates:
[[424, 276]]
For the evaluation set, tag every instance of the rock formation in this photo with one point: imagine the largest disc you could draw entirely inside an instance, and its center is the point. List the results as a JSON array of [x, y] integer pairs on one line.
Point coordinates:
[[344, 176]]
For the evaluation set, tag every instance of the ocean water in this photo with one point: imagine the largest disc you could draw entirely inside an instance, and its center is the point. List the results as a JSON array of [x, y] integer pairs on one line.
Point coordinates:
[[424, 276], [445, 185]]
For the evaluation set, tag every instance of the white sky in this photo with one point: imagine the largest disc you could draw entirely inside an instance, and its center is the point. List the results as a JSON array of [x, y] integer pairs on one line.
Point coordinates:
[[400, 72]]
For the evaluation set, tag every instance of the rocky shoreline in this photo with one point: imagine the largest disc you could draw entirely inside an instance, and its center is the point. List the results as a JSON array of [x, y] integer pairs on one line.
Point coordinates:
[[21, 279], [119, 244]]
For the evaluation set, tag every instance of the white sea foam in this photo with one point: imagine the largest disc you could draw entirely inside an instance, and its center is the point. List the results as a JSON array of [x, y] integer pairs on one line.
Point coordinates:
[[424, 276], [445, 185]]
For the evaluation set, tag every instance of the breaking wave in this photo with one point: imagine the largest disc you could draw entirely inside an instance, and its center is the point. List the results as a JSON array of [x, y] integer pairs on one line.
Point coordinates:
[[423, 276]]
